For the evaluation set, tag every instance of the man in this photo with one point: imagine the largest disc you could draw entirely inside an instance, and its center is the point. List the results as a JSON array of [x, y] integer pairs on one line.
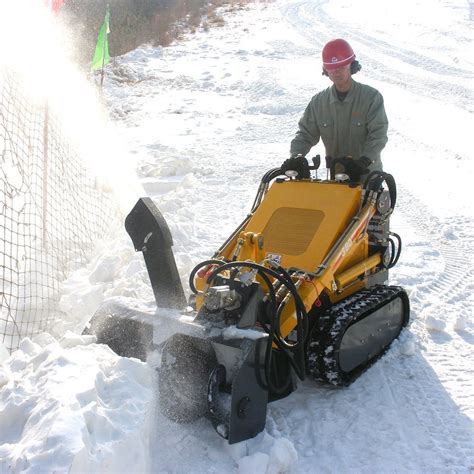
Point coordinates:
[[348, 117]]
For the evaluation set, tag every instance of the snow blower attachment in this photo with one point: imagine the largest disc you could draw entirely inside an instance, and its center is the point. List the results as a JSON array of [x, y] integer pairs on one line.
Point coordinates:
[[298, 289]]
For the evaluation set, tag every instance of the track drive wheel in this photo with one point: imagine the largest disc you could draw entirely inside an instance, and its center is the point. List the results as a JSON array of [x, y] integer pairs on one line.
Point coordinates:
[[351, 335], [186, 366]]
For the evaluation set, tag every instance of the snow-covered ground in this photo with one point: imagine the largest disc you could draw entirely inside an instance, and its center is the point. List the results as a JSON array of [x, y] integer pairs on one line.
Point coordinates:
[[201, 121]]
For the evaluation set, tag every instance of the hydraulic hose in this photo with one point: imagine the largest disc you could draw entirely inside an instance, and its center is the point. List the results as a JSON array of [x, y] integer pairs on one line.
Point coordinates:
[[274, 334], [197, 268], [374, 181], [267, 177], [283, 277], [396, 250], [298, 302]]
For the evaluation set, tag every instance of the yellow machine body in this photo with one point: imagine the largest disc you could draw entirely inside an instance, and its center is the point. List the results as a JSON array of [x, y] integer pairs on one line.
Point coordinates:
[[318, 228], [298, 289]]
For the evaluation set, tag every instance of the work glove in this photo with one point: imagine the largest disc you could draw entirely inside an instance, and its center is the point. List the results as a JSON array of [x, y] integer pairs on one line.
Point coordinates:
[[297, 163], [356, 168]]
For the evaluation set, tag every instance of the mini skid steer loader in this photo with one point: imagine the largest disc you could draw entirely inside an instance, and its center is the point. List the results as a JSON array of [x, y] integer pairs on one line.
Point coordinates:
[[298, 290]]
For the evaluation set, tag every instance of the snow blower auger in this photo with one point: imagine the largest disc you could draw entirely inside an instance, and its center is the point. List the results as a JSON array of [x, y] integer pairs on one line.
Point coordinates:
[[299, 289]]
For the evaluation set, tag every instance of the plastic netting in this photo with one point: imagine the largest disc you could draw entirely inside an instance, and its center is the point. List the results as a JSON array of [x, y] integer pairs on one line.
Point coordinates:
[[51, 213]]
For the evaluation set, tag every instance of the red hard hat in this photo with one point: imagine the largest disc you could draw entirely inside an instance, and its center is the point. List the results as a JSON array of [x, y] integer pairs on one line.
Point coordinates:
[[337, 53]]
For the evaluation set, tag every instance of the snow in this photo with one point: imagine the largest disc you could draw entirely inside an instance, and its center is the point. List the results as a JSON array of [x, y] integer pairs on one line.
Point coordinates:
[[62, 410], [279, 459], [200, 122], [232, 332], [434, 324]]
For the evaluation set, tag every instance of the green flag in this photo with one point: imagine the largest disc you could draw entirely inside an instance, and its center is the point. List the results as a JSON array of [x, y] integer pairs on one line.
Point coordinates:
[[101, 53]]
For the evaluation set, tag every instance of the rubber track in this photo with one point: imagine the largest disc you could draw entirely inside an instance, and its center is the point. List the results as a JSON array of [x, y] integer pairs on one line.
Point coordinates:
[[323, 348]]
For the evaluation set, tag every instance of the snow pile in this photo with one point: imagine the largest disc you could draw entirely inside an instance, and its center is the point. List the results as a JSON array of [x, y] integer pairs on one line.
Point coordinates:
[[268, 455], [461, 324], [115, 270], [434, 324], [62, 410]]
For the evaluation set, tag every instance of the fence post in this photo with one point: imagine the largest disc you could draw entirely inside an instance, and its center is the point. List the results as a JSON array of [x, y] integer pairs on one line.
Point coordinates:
[[45, 174]]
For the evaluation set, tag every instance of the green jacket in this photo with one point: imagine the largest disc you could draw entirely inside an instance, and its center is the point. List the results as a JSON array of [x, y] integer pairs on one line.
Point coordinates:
[[356, 126]]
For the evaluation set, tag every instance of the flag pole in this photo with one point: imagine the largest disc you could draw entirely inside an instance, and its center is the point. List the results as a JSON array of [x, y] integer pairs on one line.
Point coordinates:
[[102, 73], [101, 54]]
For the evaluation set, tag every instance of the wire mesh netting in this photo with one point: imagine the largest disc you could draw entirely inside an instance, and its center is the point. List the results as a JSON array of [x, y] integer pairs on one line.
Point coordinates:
[[51, 213]]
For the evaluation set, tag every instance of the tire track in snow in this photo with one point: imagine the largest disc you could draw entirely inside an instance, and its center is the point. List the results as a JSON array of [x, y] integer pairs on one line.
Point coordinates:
[[424, 148], [451, 430], [430, 417], [308, 13], [458, 272], [308, 17], [408, 56], [342, 425]]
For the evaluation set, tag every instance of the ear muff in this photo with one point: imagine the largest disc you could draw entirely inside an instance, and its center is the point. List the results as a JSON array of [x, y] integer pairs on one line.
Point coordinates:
[[355, 67]]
